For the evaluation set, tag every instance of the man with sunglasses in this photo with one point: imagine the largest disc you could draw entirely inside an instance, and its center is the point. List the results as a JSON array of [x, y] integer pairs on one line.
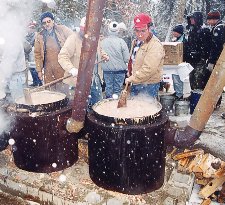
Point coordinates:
[[48, 44], [147, 59]]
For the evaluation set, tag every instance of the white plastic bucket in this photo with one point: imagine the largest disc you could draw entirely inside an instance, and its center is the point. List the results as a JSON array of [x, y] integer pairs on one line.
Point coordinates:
[[183, 70]]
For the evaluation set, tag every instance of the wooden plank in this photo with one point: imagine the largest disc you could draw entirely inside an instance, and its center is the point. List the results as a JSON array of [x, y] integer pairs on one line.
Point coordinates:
[[190, 153], [206, 202], [211, 187], [195, 162], [203, 181]]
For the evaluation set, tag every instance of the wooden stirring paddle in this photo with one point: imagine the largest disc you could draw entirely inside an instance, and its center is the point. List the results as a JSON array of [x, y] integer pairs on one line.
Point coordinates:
[[27, 91], [122, 102]]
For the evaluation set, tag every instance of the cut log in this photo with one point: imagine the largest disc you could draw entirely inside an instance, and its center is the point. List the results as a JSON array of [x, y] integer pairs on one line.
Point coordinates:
[[203, 164], [195, 162], [199, 175], [211, 187], [209, 173], [203, 181], [207, 162], [206, 202], [220, 172], [190, 153], [184, 162]]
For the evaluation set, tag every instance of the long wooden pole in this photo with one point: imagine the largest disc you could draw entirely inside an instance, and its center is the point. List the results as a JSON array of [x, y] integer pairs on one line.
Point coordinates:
[[87, 59], [210, 96]]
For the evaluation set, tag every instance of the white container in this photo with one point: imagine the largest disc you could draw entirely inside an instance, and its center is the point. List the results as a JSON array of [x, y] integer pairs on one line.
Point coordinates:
[[183, 70]]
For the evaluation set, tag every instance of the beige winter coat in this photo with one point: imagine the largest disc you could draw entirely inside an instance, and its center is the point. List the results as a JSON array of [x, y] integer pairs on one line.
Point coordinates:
[[147, 68], [69, 57], [62, 33]]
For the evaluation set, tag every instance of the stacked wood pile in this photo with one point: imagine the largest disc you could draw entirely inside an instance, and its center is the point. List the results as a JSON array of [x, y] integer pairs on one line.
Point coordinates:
[[209, 172]]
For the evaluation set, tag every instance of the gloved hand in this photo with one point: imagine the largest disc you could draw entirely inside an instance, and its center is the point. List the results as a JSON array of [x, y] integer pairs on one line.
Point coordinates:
[[73, 72], [127, 80], [105, 57], [210, 67]]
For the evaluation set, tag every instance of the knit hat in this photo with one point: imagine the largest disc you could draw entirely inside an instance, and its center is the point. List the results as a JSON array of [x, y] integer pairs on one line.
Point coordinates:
[[213, 15], [113, 26], [142, 20], [179, 29], [45, 15], [122, 26]]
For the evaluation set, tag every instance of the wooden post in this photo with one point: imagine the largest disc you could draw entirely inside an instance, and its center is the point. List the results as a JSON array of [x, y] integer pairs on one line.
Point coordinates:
[[210, 96], [87, 59]]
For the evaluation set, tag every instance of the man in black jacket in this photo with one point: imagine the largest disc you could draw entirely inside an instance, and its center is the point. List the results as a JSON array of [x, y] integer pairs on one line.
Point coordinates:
[[217, 36], [197, 50]]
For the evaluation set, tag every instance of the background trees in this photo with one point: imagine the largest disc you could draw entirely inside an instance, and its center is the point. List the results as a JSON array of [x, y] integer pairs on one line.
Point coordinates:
[[165, 13]]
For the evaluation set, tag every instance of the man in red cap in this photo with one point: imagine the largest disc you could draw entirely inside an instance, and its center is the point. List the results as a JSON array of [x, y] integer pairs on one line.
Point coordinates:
[[147, 59]]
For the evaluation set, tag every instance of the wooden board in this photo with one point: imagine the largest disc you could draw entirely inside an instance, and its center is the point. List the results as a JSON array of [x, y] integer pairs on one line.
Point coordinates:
[[211, 187]]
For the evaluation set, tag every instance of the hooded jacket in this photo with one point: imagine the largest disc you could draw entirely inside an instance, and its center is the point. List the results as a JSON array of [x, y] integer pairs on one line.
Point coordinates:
[[218, 37], [198, 43], [118, 52]]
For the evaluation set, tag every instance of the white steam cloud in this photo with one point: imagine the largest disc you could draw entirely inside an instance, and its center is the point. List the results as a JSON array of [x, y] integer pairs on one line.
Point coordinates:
[[14, 17]]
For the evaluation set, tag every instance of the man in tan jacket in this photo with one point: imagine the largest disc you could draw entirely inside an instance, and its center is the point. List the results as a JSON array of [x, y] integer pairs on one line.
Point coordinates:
[[47, 46], [69, 58], [147, 59]]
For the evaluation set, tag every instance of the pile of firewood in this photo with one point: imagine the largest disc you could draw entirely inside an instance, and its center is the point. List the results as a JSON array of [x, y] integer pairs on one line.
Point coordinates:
[[209, 173]]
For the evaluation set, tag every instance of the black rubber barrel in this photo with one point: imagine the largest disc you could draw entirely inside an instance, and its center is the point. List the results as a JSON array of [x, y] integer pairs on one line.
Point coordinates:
[[127, 158], [42, 143]]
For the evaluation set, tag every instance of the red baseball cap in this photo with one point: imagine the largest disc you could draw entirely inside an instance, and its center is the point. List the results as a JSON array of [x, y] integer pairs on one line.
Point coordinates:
[[142, 20]]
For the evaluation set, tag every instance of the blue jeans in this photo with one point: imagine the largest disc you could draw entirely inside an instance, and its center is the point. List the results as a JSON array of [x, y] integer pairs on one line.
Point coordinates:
[[146, 89], [177, 85], [114, 82], [36, 80], [96, 91]]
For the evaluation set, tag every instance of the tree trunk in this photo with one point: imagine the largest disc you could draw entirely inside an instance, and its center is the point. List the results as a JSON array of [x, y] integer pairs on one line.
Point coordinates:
[[177, 17]]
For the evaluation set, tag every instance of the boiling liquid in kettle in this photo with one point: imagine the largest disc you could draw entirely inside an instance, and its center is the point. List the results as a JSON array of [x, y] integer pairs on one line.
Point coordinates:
[[135, 108], [42, 97]]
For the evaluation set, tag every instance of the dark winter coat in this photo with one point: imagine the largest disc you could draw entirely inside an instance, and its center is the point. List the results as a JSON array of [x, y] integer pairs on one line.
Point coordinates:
[[218, 35], [197, 50], [197, 46]]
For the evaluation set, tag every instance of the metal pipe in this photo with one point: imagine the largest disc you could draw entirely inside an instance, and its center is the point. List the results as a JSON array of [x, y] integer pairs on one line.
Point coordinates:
[[204, 108], [87, 59]]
